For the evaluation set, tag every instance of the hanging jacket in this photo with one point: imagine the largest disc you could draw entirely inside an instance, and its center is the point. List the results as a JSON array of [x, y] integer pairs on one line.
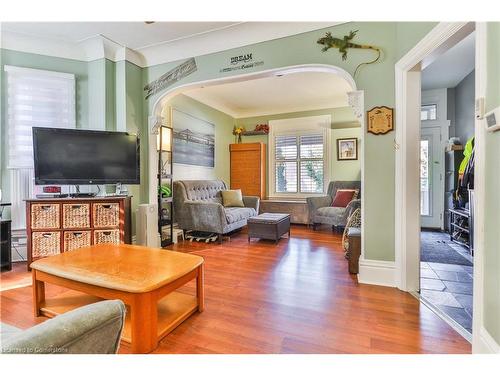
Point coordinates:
[[469, 147], [468, 177]]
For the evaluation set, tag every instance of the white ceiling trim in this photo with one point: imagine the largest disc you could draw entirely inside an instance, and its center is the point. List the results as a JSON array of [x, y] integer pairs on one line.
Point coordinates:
[[98, 47], [235, 36], [42, 46], [90, 49]]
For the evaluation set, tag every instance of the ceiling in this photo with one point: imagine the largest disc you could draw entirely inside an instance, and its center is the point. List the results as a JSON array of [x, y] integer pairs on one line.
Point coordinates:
[[133, 35], [273, 95], [449, 69]]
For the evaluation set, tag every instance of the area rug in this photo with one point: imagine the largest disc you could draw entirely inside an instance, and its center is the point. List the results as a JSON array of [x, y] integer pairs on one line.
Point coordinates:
[[199, 236], [434, 248]]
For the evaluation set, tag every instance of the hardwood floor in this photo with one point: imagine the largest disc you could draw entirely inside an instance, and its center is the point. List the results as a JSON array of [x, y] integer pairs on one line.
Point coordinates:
[[294, 297]]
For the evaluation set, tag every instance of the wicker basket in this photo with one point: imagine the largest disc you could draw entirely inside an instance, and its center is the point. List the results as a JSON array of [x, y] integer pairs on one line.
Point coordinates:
[[75, 240], [76, 215], [107, 236], [106, 214], [45, 243], [45, 216]]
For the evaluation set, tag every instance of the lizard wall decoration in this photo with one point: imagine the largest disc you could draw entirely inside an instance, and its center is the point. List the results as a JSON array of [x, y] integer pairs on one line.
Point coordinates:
[[329, 41]]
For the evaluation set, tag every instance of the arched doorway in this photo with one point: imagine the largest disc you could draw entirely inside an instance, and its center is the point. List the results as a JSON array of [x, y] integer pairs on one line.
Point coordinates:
[[355, 101]]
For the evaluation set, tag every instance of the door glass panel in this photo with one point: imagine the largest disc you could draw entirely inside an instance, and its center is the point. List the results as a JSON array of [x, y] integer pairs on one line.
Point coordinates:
[[428, 112], [424, 178]]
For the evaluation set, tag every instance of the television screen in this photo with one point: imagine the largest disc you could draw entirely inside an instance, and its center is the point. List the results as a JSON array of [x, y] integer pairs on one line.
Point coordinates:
[[81, 157]]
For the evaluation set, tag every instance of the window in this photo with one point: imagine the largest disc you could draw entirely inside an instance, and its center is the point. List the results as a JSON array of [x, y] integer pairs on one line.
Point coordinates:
[[299, 163], [428, 112], [36, 98]]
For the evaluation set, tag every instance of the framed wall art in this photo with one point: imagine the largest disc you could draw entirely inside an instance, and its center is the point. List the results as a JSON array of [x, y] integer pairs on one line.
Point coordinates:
[[347, 149]]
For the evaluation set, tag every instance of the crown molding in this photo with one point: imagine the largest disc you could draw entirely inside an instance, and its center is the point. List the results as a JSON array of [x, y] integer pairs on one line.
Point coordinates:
[[99, 46], [41, 46], [237, 35]]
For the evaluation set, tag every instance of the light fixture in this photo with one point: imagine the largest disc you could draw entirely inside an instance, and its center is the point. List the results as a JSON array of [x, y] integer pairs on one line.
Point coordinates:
[[164, 136]]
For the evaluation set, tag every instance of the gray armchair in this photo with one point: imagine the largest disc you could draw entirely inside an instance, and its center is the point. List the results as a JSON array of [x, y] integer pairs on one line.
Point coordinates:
[[92, 329], [322, 212], [198, 206]]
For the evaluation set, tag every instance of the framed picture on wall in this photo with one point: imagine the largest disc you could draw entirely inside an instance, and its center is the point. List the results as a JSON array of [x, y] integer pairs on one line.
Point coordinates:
[[194, 140], [347, 149]]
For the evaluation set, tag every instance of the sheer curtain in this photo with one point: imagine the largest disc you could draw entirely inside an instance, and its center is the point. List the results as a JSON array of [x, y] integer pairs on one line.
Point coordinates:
[[35, 98]]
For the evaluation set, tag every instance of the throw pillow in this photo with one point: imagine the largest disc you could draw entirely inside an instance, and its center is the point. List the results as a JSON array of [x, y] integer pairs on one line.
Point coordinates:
[[232, 198], [343, 197]]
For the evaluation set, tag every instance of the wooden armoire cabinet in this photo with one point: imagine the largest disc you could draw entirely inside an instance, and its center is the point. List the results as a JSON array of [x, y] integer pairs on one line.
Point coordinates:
[[248, 168]]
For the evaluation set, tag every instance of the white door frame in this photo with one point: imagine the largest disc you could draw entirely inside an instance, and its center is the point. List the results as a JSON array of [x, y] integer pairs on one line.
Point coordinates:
[[408, 91]]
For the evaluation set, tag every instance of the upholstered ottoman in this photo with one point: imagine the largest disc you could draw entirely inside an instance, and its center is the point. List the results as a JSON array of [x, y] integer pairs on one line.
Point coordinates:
[[269, 226]]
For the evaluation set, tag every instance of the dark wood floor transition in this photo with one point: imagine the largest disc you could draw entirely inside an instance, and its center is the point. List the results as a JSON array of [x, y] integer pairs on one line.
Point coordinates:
[[294, 297]]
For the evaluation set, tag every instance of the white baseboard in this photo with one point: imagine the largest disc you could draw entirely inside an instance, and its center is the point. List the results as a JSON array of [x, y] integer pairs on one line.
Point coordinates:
[[377, 272], [486, 343]]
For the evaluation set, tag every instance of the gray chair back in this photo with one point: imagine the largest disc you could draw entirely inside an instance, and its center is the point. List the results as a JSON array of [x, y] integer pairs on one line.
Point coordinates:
[[194, 190], [333, 186], [92, 329]]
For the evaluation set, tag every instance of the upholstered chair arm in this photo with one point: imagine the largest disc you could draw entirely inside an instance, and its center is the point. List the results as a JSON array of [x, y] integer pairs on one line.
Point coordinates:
[[252, 202], [92, 329], [313, 203], [351, 207], [207, 216]]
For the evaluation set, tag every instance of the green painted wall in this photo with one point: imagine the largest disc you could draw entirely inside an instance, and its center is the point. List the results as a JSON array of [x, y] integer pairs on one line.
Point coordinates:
[[376, 80], [102, 89], [97, 94], [491, 308], [109, 95], [223, 135], [408, 34], [345, 170], [338, 170], [124, 113]]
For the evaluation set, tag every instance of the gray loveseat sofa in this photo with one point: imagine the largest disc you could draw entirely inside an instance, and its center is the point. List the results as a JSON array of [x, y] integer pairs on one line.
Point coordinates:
[[92, 329], [198, 206], [322, 212]]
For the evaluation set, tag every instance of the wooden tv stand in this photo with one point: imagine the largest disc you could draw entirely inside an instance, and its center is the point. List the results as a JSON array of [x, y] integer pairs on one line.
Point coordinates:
[[57, 225]]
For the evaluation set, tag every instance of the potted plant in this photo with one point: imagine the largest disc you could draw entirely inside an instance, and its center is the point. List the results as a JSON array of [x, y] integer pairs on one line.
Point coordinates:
[[237, 130]]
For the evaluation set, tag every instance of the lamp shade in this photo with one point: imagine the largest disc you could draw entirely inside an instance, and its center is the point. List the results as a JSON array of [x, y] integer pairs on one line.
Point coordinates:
[[164, 137]]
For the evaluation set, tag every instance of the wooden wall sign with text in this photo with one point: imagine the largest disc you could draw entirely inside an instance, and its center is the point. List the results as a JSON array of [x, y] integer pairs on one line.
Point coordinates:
[[380, 120]]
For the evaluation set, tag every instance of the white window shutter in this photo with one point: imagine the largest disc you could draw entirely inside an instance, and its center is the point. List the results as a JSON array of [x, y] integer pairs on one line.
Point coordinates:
[[36, 98]]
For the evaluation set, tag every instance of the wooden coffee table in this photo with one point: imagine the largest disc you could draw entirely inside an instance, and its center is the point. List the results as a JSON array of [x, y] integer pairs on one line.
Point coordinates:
[[145, 279]]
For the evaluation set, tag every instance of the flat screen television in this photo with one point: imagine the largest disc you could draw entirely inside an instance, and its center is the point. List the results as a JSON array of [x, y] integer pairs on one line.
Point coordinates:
[[85, 157]]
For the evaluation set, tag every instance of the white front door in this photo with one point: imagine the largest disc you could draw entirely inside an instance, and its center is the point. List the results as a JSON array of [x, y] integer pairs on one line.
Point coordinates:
[[431, 178]]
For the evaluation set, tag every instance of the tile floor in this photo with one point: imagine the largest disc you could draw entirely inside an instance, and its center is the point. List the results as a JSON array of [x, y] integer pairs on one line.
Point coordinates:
[[449, 288]]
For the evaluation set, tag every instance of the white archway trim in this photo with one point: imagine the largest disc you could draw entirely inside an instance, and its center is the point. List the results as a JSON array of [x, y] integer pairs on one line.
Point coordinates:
[[158, 104], [155, 117]]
